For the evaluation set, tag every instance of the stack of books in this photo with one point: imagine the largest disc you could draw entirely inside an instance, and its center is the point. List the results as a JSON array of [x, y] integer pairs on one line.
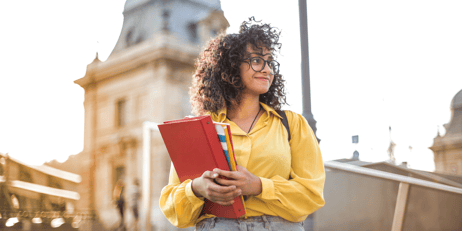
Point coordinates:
[[196, 145]]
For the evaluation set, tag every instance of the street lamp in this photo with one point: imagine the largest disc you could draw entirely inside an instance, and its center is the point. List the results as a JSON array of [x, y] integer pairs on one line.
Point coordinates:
[[306, 91]]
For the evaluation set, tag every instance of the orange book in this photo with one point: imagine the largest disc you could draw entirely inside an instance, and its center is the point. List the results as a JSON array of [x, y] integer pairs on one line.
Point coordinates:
[[229, 141], [194, 148]]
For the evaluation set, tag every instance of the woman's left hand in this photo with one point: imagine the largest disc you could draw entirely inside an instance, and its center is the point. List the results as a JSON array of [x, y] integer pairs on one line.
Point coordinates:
[[242, 179]]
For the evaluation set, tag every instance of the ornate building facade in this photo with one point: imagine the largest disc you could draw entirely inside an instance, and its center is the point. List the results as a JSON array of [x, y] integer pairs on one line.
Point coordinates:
[[447, 149], [146, 78]]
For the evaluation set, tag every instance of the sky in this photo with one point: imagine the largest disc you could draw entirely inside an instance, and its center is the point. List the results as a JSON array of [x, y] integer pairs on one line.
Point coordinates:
[[373, 65]]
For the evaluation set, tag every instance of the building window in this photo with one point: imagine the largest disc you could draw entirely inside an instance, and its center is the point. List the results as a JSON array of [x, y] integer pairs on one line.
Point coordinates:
[[54, 183], [193, 31], [121, 113], [24, 174]]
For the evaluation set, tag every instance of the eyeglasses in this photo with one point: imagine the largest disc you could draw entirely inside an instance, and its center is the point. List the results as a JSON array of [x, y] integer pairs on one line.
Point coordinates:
[[258, 64]]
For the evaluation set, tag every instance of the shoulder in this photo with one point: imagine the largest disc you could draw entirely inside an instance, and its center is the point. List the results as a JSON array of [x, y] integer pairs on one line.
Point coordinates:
[[298, 124], [294, 118]]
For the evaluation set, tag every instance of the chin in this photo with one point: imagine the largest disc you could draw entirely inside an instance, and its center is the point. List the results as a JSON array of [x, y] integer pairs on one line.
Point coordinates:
[[258, 91]]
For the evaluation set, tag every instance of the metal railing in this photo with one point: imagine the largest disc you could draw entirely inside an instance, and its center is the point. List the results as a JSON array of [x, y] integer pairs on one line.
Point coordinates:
[[404, 184]]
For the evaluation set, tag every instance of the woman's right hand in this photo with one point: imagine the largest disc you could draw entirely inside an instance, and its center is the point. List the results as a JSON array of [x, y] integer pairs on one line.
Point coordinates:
[[205, 186]]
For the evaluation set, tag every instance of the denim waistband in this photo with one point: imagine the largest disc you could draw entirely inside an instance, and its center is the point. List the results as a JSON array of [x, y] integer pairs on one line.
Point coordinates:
[[266, 220], [263, 218]]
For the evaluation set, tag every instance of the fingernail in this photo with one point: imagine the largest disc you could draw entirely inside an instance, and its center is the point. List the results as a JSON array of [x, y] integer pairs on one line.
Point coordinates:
[[215, 175]]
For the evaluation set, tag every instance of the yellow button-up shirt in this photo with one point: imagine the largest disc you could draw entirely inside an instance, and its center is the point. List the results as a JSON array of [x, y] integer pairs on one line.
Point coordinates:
[[292, 173]]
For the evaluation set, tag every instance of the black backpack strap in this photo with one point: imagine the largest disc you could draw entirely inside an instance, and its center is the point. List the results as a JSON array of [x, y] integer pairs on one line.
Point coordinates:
[[284, 121]]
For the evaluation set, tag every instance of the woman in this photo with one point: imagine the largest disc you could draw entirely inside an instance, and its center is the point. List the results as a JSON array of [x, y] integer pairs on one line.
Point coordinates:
[[119, 199], [237, 81]]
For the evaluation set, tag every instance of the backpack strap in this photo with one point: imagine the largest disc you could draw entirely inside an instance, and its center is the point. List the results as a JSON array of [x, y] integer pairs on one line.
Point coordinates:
[[284, 121]]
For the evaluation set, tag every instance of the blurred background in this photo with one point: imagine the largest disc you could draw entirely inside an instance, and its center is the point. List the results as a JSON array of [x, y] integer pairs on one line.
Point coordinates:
[[79, 79], [373, 65]]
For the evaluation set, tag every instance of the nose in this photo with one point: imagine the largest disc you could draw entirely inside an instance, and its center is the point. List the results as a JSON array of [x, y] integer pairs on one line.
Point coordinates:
[[266, 69]]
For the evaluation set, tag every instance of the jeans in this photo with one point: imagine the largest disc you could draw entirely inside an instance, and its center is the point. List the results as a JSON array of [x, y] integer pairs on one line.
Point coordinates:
[[249, 224]]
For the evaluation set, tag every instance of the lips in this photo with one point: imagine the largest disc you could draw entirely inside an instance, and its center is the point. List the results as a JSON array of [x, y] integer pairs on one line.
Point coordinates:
[[262, 78]]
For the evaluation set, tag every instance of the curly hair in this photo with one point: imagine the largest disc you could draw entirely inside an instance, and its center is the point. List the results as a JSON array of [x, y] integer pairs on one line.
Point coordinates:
[[217, 82]]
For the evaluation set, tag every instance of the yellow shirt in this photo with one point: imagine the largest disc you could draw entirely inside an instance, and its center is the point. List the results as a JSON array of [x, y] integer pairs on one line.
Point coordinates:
[[292, 174]]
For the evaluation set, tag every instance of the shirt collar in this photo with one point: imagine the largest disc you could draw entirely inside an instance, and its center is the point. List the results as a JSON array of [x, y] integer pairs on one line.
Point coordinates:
[[221, 115], [269, 110]]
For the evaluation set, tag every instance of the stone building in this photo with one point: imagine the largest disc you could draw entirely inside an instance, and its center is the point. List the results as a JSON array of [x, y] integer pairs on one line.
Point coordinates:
[[146, 78], [447, 149], [40, 192]]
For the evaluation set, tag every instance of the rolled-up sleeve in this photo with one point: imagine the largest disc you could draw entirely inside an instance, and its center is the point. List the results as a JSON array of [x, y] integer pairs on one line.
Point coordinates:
[[178, 202]]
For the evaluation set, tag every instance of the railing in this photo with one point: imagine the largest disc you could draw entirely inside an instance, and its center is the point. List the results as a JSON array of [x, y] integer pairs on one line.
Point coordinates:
[[44, 189], [404, 185]]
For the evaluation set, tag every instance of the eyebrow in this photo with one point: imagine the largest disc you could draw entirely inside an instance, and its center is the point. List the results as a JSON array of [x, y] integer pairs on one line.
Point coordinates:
[[260, 54], [256, 53]]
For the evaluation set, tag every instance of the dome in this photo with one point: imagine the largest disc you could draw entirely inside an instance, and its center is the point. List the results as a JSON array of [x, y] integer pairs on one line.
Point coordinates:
[[214, 4], [144, 19], [130, 4], [457, 101]]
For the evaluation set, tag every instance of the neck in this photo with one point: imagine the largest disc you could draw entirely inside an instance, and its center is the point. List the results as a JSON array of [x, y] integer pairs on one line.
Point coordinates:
[[248, 107]]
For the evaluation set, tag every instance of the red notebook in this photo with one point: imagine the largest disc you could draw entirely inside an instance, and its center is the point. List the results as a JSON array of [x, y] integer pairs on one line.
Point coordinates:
[[194, 148]]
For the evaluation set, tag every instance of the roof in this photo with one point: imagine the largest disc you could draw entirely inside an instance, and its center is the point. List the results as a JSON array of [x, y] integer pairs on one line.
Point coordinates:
[[352, 161], [131, 4], [145, 18], [454, 127], [50, 171], [213, 4], [457, 101]]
